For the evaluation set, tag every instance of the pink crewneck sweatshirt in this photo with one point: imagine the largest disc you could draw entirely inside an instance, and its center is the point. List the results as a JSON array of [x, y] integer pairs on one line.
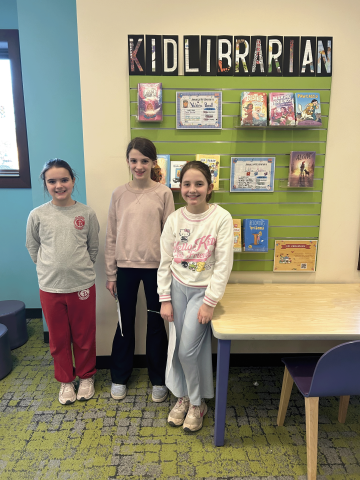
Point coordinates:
[[135, 222]]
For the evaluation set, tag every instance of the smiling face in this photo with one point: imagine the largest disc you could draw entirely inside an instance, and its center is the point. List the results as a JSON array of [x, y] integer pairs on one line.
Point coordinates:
[[140, 166], [194, 189], [60, 185]]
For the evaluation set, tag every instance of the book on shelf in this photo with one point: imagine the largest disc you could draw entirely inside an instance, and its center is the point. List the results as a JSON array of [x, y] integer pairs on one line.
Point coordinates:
[[301, 169], [256, 235], [237, 235], [213, 162], [163, 163], [281, 109], [150, 102], [175, 170], [253, 109], [308, 109]]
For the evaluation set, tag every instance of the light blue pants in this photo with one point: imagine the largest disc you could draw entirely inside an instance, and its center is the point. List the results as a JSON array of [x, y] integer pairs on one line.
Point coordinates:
[[189, 366]]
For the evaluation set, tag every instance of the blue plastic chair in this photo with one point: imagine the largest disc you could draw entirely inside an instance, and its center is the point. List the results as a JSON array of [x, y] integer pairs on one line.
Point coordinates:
[[336, 373]]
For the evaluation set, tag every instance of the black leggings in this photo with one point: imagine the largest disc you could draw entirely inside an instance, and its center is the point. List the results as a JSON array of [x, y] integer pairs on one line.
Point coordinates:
[[122, 355]]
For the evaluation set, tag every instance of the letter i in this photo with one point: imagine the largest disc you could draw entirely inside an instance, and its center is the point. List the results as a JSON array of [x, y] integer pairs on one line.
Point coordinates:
[[153, 55], [208, 51], [291, 61]]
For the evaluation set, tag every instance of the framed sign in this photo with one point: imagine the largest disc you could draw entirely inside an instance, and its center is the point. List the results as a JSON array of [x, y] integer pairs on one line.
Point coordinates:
[[295, 255], [250, 174], [198, 110]]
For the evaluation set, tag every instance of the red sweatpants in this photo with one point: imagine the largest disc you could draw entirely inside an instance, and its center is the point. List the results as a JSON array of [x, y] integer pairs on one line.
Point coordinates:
[[71, 317]]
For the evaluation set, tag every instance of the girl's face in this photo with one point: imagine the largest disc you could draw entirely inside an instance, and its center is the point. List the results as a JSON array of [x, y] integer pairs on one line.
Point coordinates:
[[60, 186], [140, 166], [194, 189]]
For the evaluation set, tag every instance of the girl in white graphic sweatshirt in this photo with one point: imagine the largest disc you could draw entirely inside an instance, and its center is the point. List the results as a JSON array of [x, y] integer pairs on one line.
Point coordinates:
[[196, 261]]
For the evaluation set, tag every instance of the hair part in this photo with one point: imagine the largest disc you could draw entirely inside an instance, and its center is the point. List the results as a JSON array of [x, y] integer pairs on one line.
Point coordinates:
[[56, 163], [203, 168], [144, 146]]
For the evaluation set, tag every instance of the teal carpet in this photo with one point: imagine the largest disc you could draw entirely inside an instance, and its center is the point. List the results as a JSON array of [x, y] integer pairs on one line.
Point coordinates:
[[108, 439]]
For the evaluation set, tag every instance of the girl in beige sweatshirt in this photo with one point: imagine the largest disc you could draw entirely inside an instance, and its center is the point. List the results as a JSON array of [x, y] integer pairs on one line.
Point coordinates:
[[137, 214]]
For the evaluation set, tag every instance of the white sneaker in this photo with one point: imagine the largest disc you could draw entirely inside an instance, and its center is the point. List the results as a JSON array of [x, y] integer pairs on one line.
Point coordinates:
[[118, 392], [178, 412], [67, 393], [86, 388], [159, 393], [194, 418]]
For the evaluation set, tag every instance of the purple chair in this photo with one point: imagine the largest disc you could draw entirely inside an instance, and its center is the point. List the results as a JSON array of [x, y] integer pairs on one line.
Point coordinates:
[[336, 373]]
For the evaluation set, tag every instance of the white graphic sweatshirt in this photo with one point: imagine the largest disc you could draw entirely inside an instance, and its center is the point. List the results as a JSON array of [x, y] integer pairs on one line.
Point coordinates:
[[197, 249]]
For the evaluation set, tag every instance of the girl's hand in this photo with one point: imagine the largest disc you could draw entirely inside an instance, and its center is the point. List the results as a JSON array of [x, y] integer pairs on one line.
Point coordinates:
[[205, 313], [111, 286], [166, 311]]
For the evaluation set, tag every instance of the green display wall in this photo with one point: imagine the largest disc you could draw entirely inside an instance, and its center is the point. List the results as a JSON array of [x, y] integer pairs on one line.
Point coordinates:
[[293, 213]]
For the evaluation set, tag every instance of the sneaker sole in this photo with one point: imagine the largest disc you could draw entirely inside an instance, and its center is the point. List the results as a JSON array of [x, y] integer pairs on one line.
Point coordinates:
[[192, 429], [118, 397], [68, 402], [159, 400], [173, 424], [83, 399]]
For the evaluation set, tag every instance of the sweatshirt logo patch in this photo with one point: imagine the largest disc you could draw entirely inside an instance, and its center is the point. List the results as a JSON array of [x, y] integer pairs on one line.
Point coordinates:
[[84, 294], [184, 234], [79, 223]]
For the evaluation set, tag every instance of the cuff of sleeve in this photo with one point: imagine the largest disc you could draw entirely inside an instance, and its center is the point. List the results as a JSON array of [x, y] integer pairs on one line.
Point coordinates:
[[210, 302], [165, 298], [111, 278]]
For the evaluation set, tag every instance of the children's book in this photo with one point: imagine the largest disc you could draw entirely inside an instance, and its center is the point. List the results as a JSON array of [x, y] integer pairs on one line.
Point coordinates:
[[175, 170], [253, 109], [163, 161], [256, 235], [237, 235], [150, 102], [301, 169], [281, 109], [308, 109], [213, 162]]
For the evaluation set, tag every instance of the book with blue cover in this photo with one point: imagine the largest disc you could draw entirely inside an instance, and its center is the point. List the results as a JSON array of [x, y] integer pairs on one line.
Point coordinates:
[[256, 235], [308, 109]]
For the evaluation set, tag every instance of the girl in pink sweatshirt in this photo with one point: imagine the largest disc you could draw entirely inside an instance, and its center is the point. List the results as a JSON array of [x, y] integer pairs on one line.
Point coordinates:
[[137, 214]]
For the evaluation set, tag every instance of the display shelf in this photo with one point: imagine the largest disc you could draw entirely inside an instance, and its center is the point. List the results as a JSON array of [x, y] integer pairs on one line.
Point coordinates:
[[292, 212]]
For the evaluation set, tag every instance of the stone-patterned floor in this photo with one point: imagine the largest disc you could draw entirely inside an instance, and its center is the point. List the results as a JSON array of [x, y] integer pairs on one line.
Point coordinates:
[[108, 439]]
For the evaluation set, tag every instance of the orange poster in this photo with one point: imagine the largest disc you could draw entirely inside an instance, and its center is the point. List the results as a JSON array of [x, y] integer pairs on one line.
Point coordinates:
[[295, 255]]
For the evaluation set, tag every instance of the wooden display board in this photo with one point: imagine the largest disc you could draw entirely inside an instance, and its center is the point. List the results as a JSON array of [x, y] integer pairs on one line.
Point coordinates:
[[293, 213]]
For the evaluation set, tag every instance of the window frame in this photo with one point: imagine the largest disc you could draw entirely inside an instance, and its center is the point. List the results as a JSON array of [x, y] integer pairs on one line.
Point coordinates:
[[23, 180]]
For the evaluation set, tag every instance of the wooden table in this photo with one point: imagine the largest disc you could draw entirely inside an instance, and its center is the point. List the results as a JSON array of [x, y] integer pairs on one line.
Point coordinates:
[[279, 312]]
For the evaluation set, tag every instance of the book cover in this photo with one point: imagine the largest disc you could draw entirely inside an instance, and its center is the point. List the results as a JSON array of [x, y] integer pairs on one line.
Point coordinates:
[[213, 162], [256, 235], [301, 169], [237, 235], [175, 169], [308, 109], [281, 109], [295, 255], [150, 102], [253, 108], [163, 162]]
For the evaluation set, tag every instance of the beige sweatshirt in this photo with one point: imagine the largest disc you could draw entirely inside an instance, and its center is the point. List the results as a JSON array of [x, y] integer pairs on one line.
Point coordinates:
[[135, 222], [63, 242]]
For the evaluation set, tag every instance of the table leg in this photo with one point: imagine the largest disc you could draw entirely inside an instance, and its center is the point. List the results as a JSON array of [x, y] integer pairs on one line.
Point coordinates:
[[222, 376]]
